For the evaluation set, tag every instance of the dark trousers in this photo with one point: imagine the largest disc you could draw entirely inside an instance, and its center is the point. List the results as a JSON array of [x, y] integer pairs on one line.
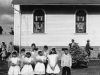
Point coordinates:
[[33, 66], [66, 69], [46, 66]]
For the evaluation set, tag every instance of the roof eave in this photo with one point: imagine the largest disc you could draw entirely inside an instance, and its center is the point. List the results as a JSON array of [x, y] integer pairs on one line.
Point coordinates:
[[54, 4]]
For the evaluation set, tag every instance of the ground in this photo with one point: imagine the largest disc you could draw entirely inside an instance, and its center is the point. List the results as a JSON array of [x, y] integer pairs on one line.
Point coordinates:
[[93, 69]]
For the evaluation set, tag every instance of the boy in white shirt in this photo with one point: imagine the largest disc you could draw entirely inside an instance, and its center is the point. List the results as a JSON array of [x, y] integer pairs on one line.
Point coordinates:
[[66, 62]]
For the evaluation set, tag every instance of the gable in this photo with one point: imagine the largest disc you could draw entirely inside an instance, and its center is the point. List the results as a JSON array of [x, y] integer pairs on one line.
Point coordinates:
[[58, 2]]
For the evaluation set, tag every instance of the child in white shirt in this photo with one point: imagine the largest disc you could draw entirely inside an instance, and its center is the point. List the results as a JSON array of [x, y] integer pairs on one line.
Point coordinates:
[[66, 62], [45, 52]]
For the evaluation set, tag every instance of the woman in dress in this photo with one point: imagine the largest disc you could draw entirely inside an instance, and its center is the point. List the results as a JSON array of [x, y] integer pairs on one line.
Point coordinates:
[[27, 68], [3, 46], [52, 67], [40, 67], [14, 64]]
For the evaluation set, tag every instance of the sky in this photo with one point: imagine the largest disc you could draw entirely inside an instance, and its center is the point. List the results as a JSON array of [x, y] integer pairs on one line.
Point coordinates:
[[6, 13]]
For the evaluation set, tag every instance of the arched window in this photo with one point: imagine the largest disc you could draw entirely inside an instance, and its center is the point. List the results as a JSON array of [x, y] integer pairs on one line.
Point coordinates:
[[38, 21], [80, 21]]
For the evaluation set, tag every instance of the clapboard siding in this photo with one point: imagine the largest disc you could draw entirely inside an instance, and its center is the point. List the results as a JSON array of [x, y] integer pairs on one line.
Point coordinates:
[[59, 29]]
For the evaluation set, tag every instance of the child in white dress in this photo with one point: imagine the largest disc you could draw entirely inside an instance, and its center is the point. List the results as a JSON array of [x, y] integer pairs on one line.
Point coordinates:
[[27, 68], [52, 67], [15, 64], [40, 67]]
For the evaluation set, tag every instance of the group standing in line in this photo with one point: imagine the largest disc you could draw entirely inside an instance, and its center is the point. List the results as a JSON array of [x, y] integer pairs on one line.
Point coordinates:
[[39, 62]]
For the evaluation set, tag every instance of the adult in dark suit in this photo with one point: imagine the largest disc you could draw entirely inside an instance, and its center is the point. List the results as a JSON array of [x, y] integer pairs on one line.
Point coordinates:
[[71, 44], [88, 48]]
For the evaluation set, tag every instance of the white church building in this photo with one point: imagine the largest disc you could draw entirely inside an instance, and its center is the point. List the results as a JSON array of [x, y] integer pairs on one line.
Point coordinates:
[[56, 22]]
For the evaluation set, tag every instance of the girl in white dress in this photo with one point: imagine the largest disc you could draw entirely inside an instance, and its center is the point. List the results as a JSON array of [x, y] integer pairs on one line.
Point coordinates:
[[27, 68], [14, 64], [40, 67], [52, 67]]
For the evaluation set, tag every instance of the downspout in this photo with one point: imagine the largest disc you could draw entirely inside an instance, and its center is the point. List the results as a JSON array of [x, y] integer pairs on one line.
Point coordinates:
[[20, 29]]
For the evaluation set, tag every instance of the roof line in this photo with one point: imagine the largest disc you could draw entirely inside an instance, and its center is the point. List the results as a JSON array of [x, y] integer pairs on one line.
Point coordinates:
[[56, 4]]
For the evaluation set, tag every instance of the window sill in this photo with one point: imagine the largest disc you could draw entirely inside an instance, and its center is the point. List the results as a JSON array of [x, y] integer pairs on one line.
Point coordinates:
[[38, 33], [80, 33]]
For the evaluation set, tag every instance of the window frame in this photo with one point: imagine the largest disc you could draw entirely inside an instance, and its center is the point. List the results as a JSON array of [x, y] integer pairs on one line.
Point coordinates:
[[84, 11], [41, 21]]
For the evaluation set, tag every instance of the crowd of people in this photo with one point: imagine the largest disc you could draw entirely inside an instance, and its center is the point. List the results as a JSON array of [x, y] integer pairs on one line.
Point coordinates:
[[38, 62], [6, 51]]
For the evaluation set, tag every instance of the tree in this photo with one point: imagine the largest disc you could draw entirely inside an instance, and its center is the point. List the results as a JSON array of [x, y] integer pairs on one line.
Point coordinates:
[[1, 30]]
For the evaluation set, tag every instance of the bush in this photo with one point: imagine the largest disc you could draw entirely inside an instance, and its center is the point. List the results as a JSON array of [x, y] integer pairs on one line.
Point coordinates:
[[79, 56]]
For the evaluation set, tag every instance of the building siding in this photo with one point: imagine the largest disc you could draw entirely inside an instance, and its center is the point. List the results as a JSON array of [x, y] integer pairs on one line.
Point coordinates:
[[59, 27]]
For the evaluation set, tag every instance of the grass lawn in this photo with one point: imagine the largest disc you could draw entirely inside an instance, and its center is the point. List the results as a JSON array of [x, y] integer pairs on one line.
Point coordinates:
[[93, 69], [3, 67]]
